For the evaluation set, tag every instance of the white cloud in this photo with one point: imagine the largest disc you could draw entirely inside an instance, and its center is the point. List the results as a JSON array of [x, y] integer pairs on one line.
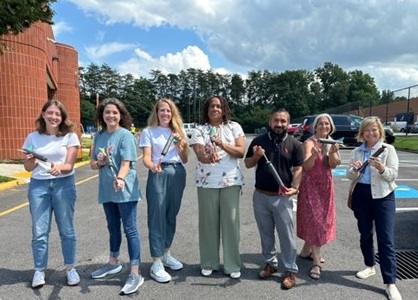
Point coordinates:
[[60, 27], [142, 63], [283, 35], [98, 53]]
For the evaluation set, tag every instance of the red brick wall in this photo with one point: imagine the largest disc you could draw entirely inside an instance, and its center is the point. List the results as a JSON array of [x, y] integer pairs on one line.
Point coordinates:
[[388, 112], [23, 84], [68, 91]]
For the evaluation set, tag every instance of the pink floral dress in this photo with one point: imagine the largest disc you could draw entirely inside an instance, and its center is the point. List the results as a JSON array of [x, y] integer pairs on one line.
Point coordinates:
[[315, 205]]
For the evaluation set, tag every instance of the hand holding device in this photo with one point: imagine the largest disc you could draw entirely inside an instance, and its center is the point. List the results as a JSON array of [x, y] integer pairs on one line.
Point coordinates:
[[376, 154]]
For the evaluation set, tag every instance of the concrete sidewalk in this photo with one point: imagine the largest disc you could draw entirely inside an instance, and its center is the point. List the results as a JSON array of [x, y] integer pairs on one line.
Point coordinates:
[[15, 171]]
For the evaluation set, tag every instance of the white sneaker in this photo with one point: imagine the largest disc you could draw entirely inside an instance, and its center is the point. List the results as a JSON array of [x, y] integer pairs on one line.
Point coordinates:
[[132, 284], [206, 272], [72, 277], [392, 292], [158, 273], [38, 279], [171, 262], [366, 273], [235, 275]]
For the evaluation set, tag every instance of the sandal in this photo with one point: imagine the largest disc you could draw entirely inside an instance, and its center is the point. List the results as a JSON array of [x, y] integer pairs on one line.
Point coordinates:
[[309, 257], [315, 274]]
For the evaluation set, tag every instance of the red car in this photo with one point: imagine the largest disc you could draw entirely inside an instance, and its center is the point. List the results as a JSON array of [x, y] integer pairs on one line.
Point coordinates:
[[292, 128]]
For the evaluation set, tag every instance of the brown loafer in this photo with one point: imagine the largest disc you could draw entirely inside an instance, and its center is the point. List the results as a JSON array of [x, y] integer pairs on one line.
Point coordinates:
[[267, 271], [288, 280]]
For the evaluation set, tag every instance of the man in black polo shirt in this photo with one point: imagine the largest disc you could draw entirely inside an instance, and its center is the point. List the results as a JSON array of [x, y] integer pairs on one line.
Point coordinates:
[[273, 207]]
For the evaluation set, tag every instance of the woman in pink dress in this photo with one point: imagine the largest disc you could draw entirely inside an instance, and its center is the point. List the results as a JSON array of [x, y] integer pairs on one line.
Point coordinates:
[[315, 205]]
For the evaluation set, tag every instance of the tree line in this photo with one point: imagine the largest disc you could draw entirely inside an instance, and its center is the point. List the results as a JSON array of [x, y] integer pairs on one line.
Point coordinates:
[[251, 98]]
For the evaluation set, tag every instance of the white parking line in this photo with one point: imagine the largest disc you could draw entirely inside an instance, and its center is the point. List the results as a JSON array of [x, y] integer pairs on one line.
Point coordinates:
[[397, 179], [407, 209]]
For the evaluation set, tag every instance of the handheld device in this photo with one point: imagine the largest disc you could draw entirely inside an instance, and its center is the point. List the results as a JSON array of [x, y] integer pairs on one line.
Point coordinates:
[[376, 154], [276, 175], [330, 141], [167, 145], [36, 155]]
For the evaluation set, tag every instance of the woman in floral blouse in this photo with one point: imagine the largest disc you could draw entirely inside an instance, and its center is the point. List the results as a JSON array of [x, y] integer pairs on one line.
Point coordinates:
[[218, 145]]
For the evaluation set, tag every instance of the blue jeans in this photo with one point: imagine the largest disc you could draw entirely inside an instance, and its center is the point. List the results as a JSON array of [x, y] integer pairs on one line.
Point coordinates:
[[381, 213], [125, 212], [47, 196], [164, 194]]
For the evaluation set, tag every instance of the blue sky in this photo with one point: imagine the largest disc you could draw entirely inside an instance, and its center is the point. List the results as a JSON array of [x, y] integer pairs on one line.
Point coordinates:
[[236, 36]]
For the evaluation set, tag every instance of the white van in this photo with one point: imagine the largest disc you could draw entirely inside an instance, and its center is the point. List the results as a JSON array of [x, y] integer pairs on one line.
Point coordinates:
[[397, 126], [188, 128]]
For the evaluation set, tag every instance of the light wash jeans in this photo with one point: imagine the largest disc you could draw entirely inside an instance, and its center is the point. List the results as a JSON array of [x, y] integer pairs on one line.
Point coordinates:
[[47, 196], [125, 212]]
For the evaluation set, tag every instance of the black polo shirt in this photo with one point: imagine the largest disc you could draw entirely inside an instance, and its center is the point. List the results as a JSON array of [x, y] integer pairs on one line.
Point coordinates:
[[283, 154]]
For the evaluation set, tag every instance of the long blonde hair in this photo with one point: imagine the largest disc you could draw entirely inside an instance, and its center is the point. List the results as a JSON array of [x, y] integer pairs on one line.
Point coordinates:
[[176, 122]]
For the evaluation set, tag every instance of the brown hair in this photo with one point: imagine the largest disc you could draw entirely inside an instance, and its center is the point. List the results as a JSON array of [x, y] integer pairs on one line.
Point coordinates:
[[64, 127], [125, 117]]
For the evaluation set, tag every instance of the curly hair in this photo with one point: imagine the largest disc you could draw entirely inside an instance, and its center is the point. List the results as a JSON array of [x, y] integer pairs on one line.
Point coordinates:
[[176, 122], [64, 127], [125, 117], [224, 106]]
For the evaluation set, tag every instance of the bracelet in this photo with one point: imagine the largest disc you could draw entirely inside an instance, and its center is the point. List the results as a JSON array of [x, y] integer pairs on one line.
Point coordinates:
[[120, 178]]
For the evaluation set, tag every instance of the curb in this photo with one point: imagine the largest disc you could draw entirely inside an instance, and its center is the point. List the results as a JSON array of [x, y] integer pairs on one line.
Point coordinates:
[[24, 177]]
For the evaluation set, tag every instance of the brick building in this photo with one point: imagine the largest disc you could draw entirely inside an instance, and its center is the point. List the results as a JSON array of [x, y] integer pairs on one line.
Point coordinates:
[[387, 112], [35, 70]]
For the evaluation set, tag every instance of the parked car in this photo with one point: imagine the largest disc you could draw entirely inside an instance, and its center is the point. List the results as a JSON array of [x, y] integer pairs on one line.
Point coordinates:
[[398, 126], [346, 129], [292, 128], [188, 128], [414, 128]]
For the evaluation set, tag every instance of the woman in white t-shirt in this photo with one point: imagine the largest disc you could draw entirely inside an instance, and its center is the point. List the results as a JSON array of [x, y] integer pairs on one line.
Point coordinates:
[[218, 144], [164, 145], [52, 187]]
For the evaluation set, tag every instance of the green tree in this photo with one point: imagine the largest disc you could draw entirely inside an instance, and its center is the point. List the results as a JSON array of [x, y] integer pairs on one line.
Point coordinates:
[[362, 89], [387, 97], [335, 83], [18, 15], [290, 90]]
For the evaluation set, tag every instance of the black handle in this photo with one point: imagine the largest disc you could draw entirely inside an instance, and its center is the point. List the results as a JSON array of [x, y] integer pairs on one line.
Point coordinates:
[[376, 154]]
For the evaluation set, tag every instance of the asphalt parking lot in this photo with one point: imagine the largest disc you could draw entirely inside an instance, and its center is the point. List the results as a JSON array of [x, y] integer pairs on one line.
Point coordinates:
[[343, 257]]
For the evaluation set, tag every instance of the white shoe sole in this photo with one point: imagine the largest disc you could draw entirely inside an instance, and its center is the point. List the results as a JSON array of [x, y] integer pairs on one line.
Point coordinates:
[[206, 272], [173, 268], [159, 279], [38, 284], [364, 275]]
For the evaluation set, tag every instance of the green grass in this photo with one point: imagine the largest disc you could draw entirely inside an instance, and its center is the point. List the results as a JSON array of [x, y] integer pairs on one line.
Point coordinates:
[[5, 179], [406, 143], [86, 142]]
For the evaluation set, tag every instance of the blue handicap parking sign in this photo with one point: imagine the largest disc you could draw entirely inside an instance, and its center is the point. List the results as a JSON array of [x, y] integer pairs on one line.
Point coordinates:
[[404, 191], [338, 172]]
